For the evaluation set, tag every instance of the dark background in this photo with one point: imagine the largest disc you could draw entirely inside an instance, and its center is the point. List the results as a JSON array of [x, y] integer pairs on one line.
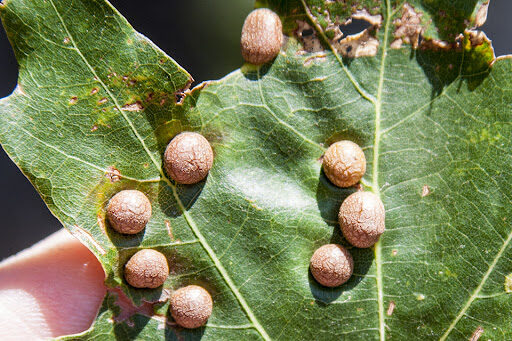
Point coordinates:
[[203, 37]]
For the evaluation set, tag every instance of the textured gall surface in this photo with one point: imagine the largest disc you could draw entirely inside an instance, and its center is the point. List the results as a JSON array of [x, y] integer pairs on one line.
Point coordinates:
[[129, 211], [188, 158], [146, 269], [191, 306], [362, 219], [331, 265], [344, 163], [262, 36]]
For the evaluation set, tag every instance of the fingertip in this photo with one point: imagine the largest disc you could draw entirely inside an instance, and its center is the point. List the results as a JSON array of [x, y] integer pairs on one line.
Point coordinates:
[[53, 288]]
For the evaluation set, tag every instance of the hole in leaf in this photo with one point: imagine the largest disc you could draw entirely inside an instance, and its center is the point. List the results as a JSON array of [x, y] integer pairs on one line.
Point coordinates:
[[307, 32], [420, 39], [355, 26]]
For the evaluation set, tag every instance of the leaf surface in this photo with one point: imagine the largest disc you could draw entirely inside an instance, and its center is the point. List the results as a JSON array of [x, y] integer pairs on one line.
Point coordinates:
[[97, 104]]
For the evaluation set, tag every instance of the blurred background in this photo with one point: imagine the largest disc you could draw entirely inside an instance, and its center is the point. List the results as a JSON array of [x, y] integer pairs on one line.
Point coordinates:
[[203, 37]]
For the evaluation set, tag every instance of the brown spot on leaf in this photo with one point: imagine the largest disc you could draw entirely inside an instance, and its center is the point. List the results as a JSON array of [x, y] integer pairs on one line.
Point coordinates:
[[317, 57], [169, 229], [438, 45], [508, 283], [476, 37], [199, 87], [425, 191], [358, 187], [408, 28], [362, 44], [374, 20], [307, 35], [394, 252], [396, 44], [73, 100], [477, 333], [100, 218], [113, 174], [103, 101], [137, 106], [391, 308], [19, 90], [481, 15], [94, 128], [183, 92], [66, 40], [94, 91]]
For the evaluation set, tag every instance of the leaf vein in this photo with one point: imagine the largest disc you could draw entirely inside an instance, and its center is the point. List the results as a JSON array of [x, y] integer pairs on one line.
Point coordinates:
[[72, 157], [375, 173], [282, 122], [186, 214], [477, 290]]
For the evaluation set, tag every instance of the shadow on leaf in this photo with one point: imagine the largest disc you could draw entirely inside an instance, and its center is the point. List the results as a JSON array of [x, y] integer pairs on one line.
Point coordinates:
[[131, 329], [254, 72], [469, 61], [188, 195], [176, 333], [329, 198]]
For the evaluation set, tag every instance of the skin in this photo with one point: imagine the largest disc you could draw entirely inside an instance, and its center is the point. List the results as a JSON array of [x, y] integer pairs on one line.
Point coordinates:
[[52, 289], [262, 36]]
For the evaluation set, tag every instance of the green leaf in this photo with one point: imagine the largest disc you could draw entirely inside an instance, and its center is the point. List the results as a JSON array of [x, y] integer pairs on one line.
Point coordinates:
[[97, 104]]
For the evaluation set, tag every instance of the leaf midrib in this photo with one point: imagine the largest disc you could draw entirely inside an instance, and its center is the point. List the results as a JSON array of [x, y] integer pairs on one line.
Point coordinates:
[[375, 183], [186, 214], [377, 102], [375, 174]]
